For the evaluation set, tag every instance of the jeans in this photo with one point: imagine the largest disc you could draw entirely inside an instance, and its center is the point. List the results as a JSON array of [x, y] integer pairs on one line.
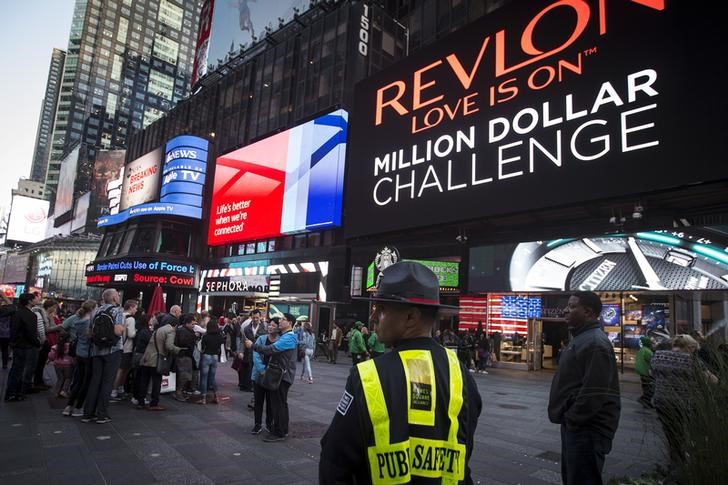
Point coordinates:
[[582, 456], [103, 373], [15, 376], [4, 348], [260, 398], [149, 374], [31, 360], [307, 363], [81, 382], [208, 367], [279, 406]]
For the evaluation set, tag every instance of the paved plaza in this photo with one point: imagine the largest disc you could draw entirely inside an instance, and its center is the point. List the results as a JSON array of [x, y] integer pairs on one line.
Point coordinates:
[[191, 444]]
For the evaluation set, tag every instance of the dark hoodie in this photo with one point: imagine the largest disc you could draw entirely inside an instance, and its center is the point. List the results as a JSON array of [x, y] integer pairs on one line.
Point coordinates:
[[585, 389]]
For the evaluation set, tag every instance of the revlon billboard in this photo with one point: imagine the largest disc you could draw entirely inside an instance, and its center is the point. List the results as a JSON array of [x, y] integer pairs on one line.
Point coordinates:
[[542, 103]]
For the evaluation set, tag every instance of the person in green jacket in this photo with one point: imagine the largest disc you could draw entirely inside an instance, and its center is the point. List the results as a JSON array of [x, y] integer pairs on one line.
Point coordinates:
[[643, 368], [376, 347], [357, 347]]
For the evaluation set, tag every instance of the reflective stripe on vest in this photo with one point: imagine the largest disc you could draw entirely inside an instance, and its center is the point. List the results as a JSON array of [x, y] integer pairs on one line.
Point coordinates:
[[397, 462]]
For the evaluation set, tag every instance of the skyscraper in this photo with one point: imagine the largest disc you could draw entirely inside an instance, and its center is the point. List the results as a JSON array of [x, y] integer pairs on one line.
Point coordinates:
[[47, 117], [128, 62]]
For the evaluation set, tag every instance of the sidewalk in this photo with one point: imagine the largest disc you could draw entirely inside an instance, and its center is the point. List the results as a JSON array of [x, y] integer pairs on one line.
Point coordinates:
[[194, 444]]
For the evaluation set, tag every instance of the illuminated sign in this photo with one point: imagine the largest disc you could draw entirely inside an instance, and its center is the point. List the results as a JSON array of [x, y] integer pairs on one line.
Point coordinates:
[[182, 180], [448, 273], [203, 41], [28, 219], [186, 281], [690, 259], [287, 183], [141, 266], [539, 104]]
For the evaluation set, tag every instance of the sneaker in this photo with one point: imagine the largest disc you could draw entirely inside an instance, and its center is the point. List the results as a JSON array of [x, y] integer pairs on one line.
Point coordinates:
[[257, 429], [134, 401], [87, 419], [103, 420], [114, 394], [67, 411], [273, 438], [179, 398], [77, 413]]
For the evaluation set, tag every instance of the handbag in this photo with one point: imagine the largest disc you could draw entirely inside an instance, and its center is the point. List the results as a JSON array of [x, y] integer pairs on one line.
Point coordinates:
[[164, 362], [271, 377]]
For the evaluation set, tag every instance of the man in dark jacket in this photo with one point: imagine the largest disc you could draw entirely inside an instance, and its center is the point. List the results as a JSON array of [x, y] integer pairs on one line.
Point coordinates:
[[249, 332], [584, 396], [24, 340]]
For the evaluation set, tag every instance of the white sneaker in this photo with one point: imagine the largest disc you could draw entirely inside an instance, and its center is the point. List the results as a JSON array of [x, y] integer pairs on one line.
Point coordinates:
[[135, 401], [67, 411], [114, 394], [77, 413]]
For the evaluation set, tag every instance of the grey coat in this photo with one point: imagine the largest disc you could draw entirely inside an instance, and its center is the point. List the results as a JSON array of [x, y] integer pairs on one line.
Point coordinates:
[[164, 338]]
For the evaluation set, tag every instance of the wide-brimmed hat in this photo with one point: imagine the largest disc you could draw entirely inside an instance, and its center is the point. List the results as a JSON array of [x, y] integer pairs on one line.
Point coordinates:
[[408, 282]]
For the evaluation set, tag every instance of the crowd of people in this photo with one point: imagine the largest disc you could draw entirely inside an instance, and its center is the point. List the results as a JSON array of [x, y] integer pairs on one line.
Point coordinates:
[[107, 353]]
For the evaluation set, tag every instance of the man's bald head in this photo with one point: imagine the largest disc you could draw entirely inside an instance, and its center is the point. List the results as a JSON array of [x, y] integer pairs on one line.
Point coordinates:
[[175, 311]]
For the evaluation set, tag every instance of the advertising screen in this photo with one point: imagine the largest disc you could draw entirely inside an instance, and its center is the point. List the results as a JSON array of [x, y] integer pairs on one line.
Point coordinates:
[[448, 273], [16, 268], [688, 259], [536, 105], [28, 218], [286, 183], [66, 180], [80, 212], [235, 23], [182, 180], [106, 183], [141, 180]]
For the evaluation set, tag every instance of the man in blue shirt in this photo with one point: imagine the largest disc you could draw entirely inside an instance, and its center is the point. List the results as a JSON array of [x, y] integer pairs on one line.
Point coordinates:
[[283, 353], [105, 361]]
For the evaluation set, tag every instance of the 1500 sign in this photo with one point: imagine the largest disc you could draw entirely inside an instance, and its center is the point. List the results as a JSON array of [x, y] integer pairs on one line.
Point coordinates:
[[539, 104]]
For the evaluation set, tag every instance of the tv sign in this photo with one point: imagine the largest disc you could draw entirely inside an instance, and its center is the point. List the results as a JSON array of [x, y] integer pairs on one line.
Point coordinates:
[[540, 104], [287, 183], [182, 180]]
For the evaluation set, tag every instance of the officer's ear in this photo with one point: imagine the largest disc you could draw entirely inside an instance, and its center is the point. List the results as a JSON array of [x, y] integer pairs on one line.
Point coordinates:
[[414, 317]]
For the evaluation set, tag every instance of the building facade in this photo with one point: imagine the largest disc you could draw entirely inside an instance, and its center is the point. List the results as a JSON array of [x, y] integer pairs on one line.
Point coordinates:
[[128, 62], [44, 137]]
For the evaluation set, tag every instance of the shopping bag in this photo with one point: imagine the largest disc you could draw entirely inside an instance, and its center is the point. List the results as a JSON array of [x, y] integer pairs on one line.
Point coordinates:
[[49, 375]]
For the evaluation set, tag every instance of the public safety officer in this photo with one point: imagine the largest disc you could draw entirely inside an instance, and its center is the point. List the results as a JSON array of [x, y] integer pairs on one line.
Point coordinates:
[[408, 416]]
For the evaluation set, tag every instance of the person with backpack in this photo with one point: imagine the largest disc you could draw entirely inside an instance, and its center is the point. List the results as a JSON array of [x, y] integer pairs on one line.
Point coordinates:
[[78, 327], [44, 320], [107, 327], [130, 309]]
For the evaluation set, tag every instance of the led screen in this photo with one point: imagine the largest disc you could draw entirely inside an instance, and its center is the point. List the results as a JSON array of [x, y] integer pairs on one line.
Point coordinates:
[[691, 259], [28, 219], [182, 180], [287, 183], [540, 104]]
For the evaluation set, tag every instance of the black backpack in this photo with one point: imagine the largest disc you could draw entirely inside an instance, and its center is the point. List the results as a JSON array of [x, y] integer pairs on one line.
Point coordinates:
[[102, 333]]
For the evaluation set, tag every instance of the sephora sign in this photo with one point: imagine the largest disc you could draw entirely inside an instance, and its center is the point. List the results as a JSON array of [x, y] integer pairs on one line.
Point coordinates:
[[542, 103]]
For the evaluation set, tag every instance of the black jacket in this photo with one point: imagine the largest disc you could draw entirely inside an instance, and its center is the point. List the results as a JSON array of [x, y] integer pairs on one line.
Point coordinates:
[[24, 329], [186, 340], [585, 389], [344, 446], [248, 334]]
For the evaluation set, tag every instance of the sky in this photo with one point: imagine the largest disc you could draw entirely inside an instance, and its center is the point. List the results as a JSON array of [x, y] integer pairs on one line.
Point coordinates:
[[29, 30]]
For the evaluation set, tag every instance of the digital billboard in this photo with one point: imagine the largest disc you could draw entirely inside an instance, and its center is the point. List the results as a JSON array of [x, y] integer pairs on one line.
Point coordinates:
[[141, 180], [687, 259], [174, 189], [16, 268], [28, 218], [130, 270], [235, 23], [287, 183], [447, 272], [106, 183], [66, 181], [540, 104], [81, 211]]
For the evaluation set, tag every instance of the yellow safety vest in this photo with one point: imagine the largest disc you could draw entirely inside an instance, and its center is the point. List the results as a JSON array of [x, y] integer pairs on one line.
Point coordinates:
[[398, 462]]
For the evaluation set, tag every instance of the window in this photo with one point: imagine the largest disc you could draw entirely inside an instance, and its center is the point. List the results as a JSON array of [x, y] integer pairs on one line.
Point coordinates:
[[144, 239], [173, 241]]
